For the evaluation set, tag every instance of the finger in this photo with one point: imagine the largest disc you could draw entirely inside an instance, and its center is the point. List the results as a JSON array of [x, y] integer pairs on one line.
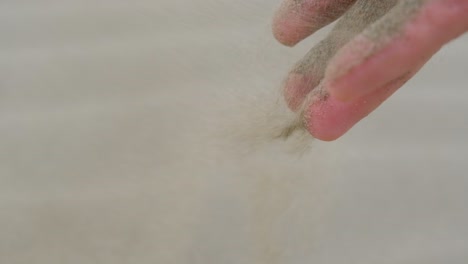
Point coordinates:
[[393, 46], [297, 19], [328, 118], [309, 72]]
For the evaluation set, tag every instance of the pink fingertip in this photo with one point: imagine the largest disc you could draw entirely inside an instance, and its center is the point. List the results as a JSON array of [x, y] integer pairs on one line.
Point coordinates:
[[289, 28], [329, 118]]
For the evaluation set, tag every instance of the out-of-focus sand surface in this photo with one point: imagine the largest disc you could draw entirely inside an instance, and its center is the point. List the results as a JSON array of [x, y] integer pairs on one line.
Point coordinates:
[[111, 151]]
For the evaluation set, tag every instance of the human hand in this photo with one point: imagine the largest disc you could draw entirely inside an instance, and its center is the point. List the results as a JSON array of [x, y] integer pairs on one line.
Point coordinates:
[[375, 48]]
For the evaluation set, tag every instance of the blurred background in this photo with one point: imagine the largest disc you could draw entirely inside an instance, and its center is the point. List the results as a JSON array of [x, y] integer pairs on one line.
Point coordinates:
[[116, 146]]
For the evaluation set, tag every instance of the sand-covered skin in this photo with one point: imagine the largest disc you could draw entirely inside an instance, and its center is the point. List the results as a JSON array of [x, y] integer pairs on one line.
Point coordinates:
[[152, 132], [310, 71]]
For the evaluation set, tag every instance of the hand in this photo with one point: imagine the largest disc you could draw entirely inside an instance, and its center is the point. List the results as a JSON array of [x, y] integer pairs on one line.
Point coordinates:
[[375, 48]]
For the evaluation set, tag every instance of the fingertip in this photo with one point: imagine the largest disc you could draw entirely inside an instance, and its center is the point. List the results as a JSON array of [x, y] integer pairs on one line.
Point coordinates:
[[296, 88], [296, 20], [327, 118], [324, 136], [283, 38], [285, 29], [323, 123]]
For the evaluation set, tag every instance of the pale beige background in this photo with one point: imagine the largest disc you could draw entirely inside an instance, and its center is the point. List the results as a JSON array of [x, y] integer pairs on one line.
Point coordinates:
[[107, 154]]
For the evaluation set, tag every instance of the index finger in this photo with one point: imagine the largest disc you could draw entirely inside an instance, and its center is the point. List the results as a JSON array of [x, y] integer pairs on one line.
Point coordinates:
[[297, 19]]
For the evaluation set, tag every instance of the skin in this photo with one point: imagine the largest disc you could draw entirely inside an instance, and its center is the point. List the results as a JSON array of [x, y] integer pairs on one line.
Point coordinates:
[[374, 49]]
